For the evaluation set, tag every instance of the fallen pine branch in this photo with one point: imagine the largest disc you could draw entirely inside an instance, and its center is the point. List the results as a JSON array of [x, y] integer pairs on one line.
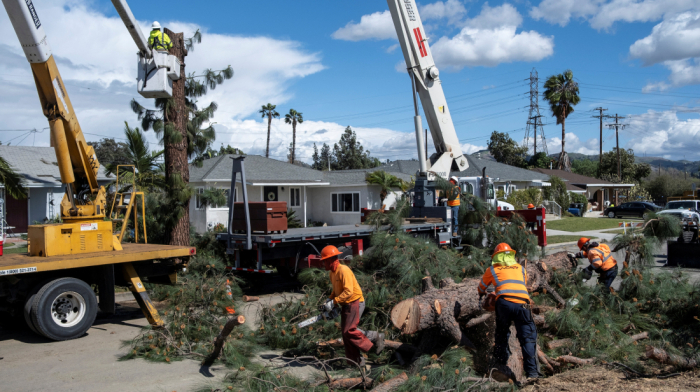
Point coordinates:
[[639, 336], [544, 360], [250, 298], [575, 360], [661, 356], [391, 384], [551, 345], [477, 320], [387, 343], [485, 380], [219, 341]]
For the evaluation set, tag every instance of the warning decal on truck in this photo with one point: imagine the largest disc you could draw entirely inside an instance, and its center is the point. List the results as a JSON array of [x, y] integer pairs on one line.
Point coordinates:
[[88, 226], [17, 271]]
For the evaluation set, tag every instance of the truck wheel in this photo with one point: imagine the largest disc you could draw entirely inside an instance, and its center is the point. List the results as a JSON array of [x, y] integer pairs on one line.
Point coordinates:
[[64, 309], [611, 214], [28, 309]]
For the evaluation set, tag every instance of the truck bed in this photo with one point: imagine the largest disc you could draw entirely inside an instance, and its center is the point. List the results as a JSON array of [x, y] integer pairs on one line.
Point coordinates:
[[20, 263], [326, 232]]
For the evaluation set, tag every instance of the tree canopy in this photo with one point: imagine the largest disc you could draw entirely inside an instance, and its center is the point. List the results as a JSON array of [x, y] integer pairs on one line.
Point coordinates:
[[506, 150], [585, 167], [109, 151], [347, 154], [561, 92], [631, 171], [11, 180]]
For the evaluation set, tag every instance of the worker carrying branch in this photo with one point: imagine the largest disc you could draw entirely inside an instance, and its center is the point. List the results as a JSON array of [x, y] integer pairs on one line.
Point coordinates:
[[158, 40], [512, 305], [601, 260], [348, 295], [453, 198]]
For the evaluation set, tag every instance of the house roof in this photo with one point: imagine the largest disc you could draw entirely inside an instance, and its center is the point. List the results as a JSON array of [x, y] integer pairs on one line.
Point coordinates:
[[38, 165], [493, 169], [259, 171], [581, 181]]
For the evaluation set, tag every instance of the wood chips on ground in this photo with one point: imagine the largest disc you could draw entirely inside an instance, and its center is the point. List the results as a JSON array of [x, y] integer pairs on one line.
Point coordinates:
[[600, 379]]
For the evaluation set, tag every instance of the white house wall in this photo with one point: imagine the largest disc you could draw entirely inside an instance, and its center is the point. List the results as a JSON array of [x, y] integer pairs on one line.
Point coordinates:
[[319, 203], [38, 203]]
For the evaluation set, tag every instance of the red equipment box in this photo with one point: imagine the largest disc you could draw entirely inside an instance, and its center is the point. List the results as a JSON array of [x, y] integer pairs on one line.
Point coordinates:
[[535, 217], [266, 216]]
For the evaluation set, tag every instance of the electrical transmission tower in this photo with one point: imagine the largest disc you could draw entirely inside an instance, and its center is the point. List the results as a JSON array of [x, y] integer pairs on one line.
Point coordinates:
[[534, 119]]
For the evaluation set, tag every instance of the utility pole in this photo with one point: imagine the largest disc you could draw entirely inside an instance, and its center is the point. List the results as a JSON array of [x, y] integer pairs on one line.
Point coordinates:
[[600, 155], [617, 127], [534, 119]]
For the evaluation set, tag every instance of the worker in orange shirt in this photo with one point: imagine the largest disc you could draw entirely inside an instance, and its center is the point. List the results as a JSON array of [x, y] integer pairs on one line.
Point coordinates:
[[601, 261], [512, 306], [531, 225], [453, 198], [348, 295]]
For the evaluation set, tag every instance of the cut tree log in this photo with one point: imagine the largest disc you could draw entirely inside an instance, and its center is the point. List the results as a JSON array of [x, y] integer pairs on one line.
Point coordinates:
[[394, 345], [247, 298], [219, 341], [661, 356], [391, 384], [558, 343], [575, 360]]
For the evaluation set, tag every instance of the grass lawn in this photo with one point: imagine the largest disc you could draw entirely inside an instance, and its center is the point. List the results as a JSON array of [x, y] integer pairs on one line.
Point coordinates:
[[558, 239], [584, 224], [15, 249]]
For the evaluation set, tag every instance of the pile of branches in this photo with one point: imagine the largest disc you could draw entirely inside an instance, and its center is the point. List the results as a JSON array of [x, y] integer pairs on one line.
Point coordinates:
[[194, 312]]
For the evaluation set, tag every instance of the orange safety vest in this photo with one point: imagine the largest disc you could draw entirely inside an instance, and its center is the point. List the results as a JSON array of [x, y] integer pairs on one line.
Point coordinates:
[[454, 196], [510, 281], [601, 258]]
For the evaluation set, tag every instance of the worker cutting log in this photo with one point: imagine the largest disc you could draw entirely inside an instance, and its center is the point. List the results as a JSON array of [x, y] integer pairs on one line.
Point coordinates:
[[601, 260], [512, 306], [348, 295]]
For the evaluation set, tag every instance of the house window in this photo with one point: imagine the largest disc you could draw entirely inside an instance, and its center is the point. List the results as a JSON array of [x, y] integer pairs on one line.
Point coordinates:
[[198, 199], [345, 202], [295, 197]]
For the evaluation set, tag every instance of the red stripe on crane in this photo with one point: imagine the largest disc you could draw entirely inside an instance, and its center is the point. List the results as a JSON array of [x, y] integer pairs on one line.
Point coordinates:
[[419, 40]]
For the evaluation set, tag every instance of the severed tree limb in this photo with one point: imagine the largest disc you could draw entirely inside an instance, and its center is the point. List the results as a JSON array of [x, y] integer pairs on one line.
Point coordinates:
[[639, 336], [392, 344], [575, 360], [427, 284], [477, 320], [558, 343], [544, 360], [391, 384], [446, 282], [554, 293], [661, 356], [247, 298], [221, 339]]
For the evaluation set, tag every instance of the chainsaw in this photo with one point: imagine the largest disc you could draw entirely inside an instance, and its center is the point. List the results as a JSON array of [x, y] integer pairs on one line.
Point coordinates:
[[328, 312]]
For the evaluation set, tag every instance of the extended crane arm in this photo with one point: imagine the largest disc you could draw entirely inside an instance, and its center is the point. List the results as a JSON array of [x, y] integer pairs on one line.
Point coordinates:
[[426, 81], [76, 160]]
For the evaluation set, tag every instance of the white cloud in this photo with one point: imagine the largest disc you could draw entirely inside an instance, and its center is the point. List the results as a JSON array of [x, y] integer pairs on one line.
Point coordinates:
[[602, 14], [452, 10], [675, 43], [574, 144], [676, 38], [491, 38], [376, 26], [662, 133], [97, 60]]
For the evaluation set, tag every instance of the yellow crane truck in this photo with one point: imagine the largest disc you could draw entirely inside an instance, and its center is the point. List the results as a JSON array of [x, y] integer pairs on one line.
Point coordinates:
[[54, 283]]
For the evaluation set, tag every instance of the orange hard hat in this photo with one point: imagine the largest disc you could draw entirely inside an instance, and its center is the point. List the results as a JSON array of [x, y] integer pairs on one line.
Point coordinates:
[[329, 251], [502, 247], [582, 241], [530, 206]]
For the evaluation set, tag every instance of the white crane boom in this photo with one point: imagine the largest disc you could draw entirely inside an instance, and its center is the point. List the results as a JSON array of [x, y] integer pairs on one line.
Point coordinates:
[[426, 81], [133, 26]]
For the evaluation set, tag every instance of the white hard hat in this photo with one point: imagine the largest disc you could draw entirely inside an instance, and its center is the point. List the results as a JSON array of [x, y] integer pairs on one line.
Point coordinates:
[[155, 25], [453, 178]]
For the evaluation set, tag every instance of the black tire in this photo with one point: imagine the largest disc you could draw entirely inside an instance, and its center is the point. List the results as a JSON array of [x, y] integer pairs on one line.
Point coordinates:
[[611, 214], [28, 309], [64, 300]]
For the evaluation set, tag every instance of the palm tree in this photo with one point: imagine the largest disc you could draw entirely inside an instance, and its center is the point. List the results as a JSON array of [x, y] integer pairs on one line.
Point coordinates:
[[269, 112], [293, 117], [11, 180], [147, 171], [386, 181], [562, 94]]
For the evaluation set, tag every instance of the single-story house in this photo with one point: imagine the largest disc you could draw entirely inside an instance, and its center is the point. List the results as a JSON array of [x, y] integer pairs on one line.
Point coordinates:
[[506, 178], [43, 182], [595, 190], [330, 197]]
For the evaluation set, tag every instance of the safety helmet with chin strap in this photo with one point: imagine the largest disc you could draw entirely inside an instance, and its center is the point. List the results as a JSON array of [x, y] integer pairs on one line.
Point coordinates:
[[155, 26]]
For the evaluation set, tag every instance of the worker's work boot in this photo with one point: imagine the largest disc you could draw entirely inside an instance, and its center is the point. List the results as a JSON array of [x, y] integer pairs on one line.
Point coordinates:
[[378, 339]]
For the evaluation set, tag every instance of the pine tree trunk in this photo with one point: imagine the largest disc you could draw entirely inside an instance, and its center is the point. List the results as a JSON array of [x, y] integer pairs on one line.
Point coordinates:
[[176, 153], [269, 124], [294, 138]]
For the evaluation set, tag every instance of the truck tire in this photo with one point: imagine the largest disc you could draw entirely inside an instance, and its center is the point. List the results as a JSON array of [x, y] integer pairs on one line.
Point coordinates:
[[64, 309], [611, 215], [28, 309]]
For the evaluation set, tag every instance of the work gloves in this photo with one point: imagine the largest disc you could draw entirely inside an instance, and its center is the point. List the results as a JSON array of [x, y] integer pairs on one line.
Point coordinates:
[[587, 273]]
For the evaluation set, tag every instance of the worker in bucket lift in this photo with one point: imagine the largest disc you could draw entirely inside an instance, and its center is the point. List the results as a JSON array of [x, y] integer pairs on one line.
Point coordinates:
[[512, 306], [601, 260], [453, 198], [348, 295], [158, 40]]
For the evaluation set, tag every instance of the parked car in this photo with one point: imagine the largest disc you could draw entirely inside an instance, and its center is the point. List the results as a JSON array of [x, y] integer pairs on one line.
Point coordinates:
[[692, 205], [637, 208]]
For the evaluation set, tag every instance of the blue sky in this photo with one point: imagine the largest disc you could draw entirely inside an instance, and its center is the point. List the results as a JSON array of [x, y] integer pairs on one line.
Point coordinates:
[[336, 62]]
